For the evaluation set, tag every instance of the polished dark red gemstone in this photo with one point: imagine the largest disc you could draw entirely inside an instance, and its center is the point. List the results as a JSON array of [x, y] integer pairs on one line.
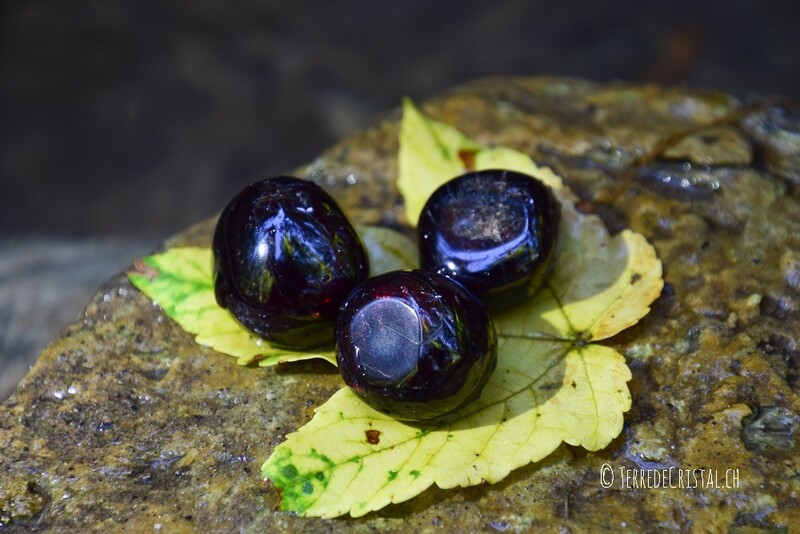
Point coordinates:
[[285, 257], [415, 344], [494, 231]]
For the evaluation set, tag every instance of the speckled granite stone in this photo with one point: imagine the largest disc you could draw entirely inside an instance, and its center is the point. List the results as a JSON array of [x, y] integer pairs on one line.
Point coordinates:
[[126, 424]]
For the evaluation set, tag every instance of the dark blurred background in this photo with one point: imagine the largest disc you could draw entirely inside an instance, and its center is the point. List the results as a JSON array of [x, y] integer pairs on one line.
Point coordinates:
[[124, 121]]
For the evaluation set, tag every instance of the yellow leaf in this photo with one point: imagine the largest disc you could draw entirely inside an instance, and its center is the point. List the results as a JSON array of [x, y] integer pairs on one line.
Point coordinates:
[[180, 282], [513, 160], [428, 157], [600, 284], [353, 459], [552, 385]]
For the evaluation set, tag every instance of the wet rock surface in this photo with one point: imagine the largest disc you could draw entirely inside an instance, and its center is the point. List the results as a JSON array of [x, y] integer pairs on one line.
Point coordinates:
[[126, 423], [44, 284]]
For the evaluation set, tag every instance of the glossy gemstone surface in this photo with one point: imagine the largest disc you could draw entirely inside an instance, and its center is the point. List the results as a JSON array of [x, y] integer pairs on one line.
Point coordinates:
[[285, 257], [494, 231], [415, 344]]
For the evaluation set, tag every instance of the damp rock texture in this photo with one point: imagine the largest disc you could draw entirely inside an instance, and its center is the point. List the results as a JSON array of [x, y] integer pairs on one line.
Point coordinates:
[[125, 423]]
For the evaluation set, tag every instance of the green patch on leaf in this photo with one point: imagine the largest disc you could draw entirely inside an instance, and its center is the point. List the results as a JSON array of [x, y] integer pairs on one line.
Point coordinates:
[[553, 383], [180, 282], [302, 486]]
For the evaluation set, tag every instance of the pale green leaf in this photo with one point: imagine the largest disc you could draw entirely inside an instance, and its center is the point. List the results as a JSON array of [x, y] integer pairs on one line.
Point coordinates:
[[180, 282], [551, 385], [388, 249]]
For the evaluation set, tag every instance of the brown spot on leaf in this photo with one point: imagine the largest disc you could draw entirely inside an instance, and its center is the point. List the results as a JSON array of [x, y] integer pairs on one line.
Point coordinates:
[[467, 158], [574, 385], [581, 339], [142, 268], [584, 206], [373, 436], [635, 278]]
